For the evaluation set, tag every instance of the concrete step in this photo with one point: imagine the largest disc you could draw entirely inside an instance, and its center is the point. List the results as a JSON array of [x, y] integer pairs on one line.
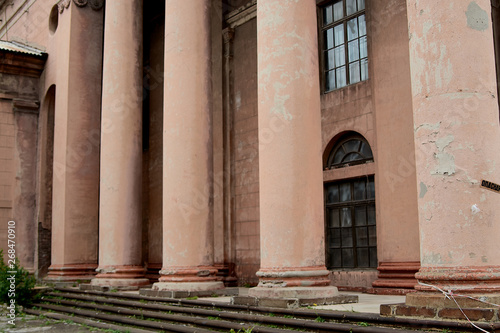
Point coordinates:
[[139, 312]]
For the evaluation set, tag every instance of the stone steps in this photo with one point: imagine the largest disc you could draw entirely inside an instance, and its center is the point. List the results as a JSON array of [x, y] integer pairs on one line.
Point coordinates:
[[139, 314]]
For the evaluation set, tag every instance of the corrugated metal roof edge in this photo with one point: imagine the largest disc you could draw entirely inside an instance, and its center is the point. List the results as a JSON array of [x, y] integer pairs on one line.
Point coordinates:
[[20, 48]]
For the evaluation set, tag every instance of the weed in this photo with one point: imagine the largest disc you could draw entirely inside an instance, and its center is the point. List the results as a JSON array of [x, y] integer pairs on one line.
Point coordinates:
[[319, 319], [21, 281], [192, 297], [153, 319], [244, 330], [365, 324]]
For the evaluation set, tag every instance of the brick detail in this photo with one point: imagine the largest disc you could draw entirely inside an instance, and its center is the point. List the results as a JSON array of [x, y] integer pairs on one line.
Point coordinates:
[[412, 311], [472, 314]]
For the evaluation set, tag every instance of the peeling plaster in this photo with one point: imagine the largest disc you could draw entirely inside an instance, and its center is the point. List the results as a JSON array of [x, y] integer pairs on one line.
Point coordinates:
[[434, 259], [477, 18], [446, 164], [444, 142], [432, 127], [423, 190]]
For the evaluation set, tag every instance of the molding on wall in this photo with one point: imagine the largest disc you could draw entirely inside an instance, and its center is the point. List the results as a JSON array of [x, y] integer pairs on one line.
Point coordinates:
[[94, 4], [242, 15], [22, 105]]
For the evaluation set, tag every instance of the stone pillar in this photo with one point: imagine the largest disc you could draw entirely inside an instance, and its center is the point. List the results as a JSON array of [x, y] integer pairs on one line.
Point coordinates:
[[75, 203], [290, 168], [395, 180], [457, 145], [188, 262], [120, 248]]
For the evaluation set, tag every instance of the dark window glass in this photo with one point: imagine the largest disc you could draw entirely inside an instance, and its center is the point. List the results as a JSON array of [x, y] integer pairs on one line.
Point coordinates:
[[351, 228], [344, 32], [349, 151]]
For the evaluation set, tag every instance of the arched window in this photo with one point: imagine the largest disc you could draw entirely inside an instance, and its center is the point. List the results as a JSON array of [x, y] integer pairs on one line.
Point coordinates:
[[349, 150], [351, 235]]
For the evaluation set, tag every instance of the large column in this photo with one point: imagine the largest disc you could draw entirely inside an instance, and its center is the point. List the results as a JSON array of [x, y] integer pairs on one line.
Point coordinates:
[[457, 144], [121, 149], [187, 150], [75, 205], [395, 180], [291, 193]]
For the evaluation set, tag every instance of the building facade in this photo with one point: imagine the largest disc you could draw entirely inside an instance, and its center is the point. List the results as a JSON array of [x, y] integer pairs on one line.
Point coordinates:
[[192, 144]]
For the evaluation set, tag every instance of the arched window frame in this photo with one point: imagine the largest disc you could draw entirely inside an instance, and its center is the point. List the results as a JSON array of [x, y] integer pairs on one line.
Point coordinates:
[[350, 145]]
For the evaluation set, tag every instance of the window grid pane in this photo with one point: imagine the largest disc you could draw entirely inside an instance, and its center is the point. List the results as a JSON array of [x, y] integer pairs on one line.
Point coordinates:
[[327, 15], [351, 7], [354, 72], [330, 80], [328, 36], [338, 10], [351, 31], [353, 50], [351, 229], [341, 77]]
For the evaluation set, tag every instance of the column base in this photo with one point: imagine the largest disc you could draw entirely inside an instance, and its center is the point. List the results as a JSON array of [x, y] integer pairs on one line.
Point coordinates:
[[293, 277], [120, 277], [293, 297], [395, 278], [199, 278], [473, 288], [292, 287], [188, 286], [225, 274], [71, 273], [469, 280], [153, 272], [293, 292]]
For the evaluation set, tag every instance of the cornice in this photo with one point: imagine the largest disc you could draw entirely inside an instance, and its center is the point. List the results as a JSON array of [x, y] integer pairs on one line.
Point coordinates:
[[94, 4], [242, 15]]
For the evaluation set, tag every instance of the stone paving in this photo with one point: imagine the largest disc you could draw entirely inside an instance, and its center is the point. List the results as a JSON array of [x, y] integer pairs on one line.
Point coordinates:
[[29, 323]]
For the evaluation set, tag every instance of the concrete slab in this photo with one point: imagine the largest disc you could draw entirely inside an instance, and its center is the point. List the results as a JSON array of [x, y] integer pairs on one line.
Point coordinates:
[[367, 303]]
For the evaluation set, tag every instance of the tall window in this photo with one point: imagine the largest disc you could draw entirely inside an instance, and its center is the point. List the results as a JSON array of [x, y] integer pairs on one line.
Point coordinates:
[[350, 223], [351, 234], [345, 51]]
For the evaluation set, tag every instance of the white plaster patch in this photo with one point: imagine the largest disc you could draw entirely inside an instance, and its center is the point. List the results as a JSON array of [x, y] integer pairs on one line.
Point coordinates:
[[474, 209], [423, 189], [431, 127], [442, 143], [477, 18], [446, 164]]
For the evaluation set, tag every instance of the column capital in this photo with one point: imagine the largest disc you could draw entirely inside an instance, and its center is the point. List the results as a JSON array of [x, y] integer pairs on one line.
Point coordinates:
[[94, 4]]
